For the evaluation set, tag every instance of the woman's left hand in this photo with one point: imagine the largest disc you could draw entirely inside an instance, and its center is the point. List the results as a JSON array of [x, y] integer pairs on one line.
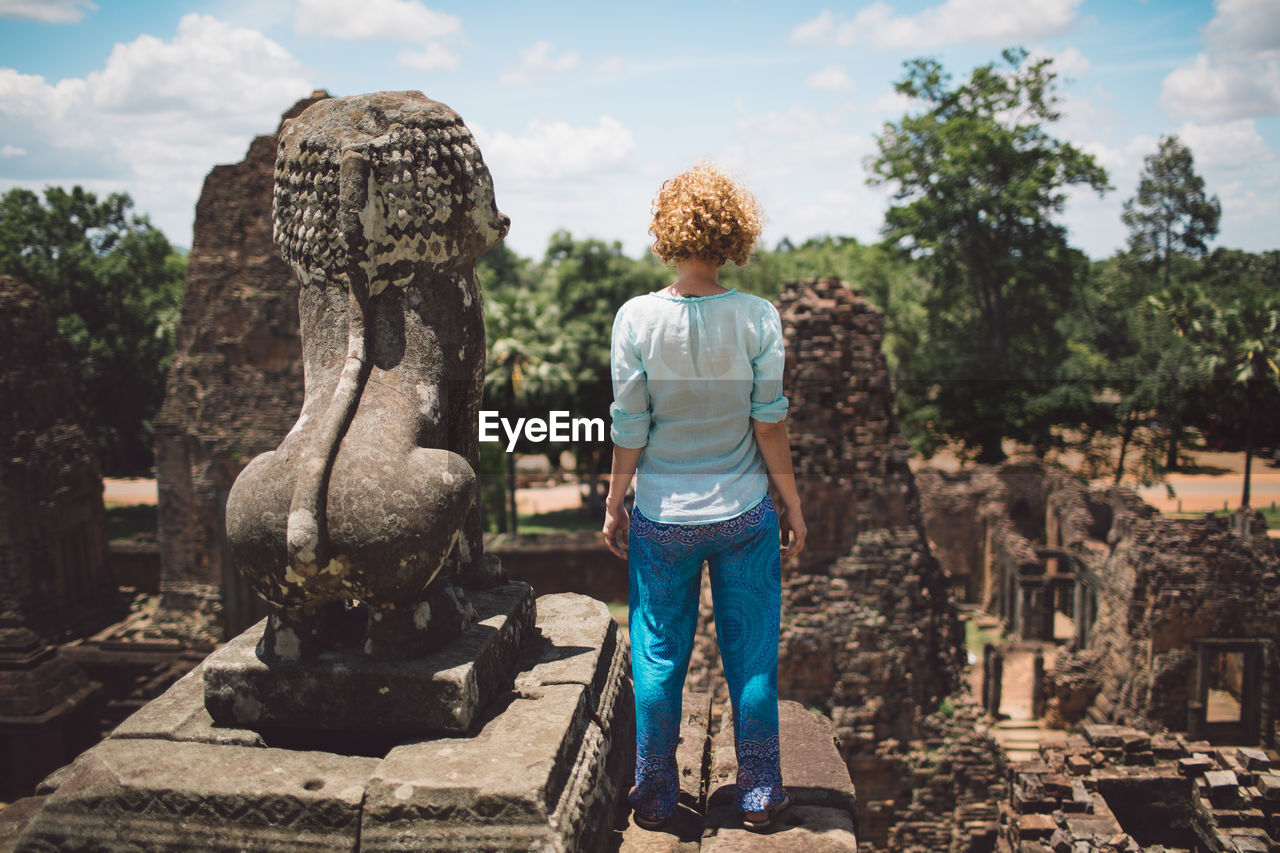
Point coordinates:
[[617, 529]]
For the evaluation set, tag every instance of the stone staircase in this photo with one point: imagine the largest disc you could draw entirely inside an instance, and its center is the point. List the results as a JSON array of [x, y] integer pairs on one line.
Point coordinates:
[[821, 819]]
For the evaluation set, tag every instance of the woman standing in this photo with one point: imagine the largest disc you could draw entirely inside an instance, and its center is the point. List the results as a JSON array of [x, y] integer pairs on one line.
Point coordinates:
[[699, 417]]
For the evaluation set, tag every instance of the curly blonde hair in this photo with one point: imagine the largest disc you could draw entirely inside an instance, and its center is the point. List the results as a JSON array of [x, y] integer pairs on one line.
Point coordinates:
[[703, 214]]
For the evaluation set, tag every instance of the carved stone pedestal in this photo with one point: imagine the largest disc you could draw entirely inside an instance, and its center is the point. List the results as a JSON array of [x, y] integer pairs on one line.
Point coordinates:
[[542, 767], [345, 691]]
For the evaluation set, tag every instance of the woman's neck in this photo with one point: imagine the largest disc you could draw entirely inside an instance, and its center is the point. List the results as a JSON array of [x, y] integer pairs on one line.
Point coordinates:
[[696, 277]]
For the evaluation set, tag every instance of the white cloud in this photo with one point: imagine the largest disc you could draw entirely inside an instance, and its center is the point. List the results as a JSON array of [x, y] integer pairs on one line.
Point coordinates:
[[1233, 145], [1221, 88], [806, 168], [556, 151], [1069, 63], [398, 20], [433, 58], [401, 20], [540, 59], [12, 151], [1239, 75], [951, 22], [46, 11], [612, 65], [833, 78], [155, 118], [1248, 27]]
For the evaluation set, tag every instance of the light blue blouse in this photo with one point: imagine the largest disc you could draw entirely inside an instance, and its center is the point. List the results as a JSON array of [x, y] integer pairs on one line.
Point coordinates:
[[689, 375]]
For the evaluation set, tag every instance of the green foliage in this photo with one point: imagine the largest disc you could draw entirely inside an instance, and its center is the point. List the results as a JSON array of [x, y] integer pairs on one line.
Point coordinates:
[[891, 283], [126, 521], [977, 185], [1170, 215], [1234, 324], [549, 329], [113, 284]]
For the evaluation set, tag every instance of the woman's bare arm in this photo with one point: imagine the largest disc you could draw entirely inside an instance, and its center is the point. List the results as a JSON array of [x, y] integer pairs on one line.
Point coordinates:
[[775, 447], [617, 524]]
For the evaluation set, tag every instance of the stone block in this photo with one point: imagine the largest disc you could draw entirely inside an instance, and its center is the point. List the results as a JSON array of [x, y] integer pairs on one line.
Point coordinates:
[[442, 692], [1086, 826], [468, 792], [1078, 765], [179, 714], [157, 795], [1253, 759], [1248, 842], [813, 772], [1196, 765], [1036, 826], [542, 770], [1269, 787], [693, 753], [808, 828], [1103, 736], [576, 642], [1056, 785], [1223, 789]]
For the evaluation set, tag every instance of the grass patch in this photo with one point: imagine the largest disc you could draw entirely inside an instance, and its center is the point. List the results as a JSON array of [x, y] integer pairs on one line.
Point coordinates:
[[619, 611], [129, 521], [574, 520], [1270, 511], [976, 639]]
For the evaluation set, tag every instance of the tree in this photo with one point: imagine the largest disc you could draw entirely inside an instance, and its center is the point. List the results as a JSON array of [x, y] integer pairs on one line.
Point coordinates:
[[1240, 333], [977, 183], [113, 284], [1170, 215], [1170, 221]]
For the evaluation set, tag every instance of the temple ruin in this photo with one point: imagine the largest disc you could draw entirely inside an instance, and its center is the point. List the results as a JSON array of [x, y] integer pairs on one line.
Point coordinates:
[[56, 584]]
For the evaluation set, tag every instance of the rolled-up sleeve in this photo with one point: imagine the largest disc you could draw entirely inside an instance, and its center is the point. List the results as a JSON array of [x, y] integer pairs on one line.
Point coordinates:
[[767, 403], [630, 411]]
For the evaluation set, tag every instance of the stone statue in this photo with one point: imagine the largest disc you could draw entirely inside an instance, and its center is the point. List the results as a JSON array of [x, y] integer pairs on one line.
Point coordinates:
[[382, 204]]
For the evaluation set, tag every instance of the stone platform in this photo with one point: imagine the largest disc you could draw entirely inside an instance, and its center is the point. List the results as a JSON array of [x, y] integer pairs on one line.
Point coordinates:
[[344, 691], [820, 820], [540, 768]]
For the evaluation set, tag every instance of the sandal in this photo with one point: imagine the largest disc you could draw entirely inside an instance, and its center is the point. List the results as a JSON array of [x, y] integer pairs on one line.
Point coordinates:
[[645, 821], [767, 817]]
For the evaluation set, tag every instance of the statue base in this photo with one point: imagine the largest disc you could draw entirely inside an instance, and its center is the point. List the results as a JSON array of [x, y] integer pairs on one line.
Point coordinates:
[[542, 767], [345, 691]]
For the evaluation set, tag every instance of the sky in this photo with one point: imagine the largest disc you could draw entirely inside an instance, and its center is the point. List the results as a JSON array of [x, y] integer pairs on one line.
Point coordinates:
[[581, 110]]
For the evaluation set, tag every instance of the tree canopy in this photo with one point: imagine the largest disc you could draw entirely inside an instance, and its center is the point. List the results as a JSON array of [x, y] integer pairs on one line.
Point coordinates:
[[113, 284], [977, 184], [1170, 215]]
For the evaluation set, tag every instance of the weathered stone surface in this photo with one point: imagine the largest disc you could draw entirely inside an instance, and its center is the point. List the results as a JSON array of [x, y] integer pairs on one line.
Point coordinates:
[[54, 583], [15, 818], [154, 795], [52, 523], [693, 753], [445, 691], [541, 772], [811, 829], [813, 772], [382, 204], [180, 714]]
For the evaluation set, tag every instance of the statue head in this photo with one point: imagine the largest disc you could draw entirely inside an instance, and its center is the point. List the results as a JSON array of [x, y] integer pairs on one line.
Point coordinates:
[[380, 187]]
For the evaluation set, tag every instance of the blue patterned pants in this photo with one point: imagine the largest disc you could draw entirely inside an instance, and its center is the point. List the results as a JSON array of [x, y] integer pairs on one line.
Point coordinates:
[[746, 587]]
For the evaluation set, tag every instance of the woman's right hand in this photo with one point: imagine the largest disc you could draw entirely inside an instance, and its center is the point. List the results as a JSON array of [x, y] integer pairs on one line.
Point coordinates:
[[617, 529], [792, 529]]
